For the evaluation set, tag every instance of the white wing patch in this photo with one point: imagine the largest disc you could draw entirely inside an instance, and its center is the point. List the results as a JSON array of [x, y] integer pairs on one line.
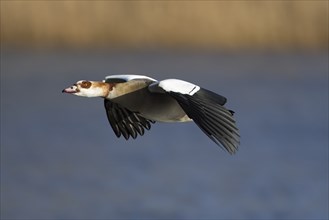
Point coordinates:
[[129, 77], [179, 86]]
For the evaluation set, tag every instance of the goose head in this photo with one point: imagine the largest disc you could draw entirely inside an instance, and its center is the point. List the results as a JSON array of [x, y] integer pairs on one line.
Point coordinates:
[[87, 88]]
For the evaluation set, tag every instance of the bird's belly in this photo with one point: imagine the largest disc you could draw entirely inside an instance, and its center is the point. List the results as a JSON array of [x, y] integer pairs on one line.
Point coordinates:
[[164, 110], [153, 106]]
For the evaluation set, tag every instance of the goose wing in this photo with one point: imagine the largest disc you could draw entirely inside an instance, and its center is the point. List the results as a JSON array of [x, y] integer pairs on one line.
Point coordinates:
[[206, 109], [125, 122]]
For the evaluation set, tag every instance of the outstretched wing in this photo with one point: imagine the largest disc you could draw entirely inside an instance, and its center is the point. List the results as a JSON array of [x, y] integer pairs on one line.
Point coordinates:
[[212, 118], [206, 109], [125, 122]]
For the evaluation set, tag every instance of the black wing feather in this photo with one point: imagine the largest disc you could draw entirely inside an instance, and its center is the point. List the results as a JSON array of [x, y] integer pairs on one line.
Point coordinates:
[[125, 122], [207, 111]]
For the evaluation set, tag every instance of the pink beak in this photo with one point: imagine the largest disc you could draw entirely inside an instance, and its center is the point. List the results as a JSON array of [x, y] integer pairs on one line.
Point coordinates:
[[72, 89]]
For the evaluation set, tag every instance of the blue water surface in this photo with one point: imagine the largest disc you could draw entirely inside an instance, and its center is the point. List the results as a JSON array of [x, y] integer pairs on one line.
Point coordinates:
[[61, 160]]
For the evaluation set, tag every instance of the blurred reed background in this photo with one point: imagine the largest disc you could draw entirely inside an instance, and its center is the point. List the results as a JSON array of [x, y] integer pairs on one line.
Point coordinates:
[[165, 24]]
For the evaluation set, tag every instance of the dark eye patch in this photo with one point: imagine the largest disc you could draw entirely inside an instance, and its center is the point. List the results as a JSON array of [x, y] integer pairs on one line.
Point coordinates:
[[85, 84]]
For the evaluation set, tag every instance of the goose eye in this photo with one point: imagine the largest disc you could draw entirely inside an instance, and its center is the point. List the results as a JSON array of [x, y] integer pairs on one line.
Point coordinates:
[[85, 84]]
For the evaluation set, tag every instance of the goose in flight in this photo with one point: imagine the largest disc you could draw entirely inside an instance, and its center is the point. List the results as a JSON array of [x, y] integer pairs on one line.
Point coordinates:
[[134, 102]]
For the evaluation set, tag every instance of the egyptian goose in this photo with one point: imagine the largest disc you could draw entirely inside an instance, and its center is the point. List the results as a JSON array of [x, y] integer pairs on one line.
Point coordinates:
[[134, 102]]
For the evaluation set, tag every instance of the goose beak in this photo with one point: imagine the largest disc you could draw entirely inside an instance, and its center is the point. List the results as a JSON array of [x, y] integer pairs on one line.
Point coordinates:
[[72, 89]]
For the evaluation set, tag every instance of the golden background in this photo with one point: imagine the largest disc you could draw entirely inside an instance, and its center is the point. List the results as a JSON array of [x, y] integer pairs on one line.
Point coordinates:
[[165, 24]]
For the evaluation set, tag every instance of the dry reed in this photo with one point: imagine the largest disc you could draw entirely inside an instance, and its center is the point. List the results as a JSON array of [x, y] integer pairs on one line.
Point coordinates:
[[166, 24]]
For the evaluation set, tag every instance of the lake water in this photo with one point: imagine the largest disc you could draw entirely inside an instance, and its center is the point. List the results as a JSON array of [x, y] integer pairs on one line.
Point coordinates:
[[61, 160]]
